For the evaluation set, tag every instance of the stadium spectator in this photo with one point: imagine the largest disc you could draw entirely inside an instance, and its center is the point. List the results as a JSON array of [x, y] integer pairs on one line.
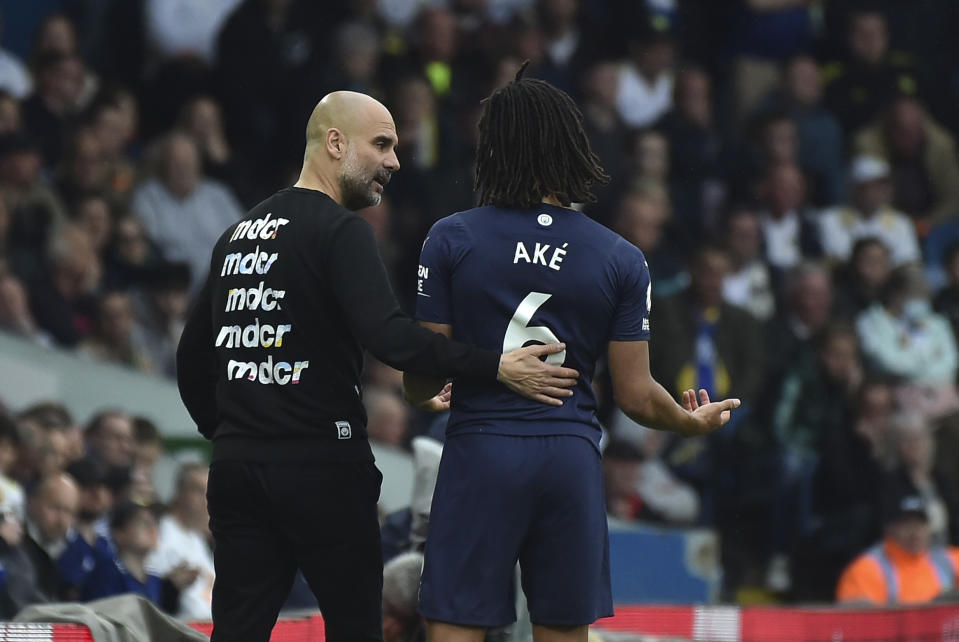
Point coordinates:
[[11, 492], [789, 231], [922, 155], [567, 43], [858, 88], [15, 315], [93, 215], [915, 449], [51, 110], [402, 621], [645, 91], [387, 417], [820, 135], [859, 281], [147, 450], [109, 438], [696, 149], [903, 337], [846, 495], [357, 49], [705, 342], [185, 28], [117, 338], [602, 123], [34, 208], [51, 514], [906, 567], [131, 255], [109, 119], [762, 36], [202, 120], [47, 442], [134, 532], [260, 80], [946, 301], [90, 536], [641, 218], [642, 488], [84, 167], [804, 310], [184, 543], [63, 299], [815, 398], [160, 307], [18, 585], [749, 283], [869, 214], [183, 212]]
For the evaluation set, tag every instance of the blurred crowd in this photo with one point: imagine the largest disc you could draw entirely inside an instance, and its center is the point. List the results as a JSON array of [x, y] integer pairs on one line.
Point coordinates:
[[80, 517], [788, 167]]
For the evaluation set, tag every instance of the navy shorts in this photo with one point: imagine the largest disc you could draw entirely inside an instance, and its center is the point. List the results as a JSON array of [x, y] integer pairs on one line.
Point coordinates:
[[500, 499]]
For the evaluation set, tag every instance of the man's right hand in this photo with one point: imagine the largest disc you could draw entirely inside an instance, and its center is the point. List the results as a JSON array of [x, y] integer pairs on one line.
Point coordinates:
[[524, 373], [707, 416]]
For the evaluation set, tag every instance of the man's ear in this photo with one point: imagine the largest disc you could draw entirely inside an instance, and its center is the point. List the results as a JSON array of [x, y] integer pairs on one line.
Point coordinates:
[[335, 143]]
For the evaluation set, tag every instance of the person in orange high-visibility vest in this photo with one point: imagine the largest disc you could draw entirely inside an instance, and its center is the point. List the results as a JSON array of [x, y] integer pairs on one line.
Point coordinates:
[[903, 568]]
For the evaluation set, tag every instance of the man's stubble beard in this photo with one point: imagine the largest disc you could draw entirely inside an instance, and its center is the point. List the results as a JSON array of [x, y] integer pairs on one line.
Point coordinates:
[[356, 189]]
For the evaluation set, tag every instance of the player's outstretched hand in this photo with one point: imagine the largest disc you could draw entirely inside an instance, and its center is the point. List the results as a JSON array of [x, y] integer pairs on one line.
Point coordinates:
[[439, 402], [522, 372], [707, 416]]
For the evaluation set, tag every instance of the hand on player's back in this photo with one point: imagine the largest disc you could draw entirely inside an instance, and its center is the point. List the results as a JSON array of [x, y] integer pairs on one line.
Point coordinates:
[[709, 416], [440, 402], [522, 372]]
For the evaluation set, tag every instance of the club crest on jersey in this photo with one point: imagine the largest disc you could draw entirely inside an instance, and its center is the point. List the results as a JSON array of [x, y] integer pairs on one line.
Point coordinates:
[[545, 220]]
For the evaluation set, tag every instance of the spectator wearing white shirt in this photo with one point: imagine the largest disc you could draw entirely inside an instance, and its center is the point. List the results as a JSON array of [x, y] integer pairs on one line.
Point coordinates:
[[184, 542], [645, 91], [183, 212], [902, 337], [748, 284], [789, 233], [186, 27], [869, 214]]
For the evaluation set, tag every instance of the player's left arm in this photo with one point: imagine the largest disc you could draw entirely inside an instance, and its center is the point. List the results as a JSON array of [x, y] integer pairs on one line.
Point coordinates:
[[429, 393]]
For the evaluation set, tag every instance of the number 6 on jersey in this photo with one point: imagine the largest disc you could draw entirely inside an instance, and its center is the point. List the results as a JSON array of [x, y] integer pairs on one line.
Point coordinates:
[[519, 332]]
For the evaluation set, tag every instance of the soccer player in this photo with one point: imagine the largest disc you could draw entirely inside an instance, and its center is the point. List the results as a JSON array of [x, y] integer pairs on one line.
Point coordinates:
[[520, 481]]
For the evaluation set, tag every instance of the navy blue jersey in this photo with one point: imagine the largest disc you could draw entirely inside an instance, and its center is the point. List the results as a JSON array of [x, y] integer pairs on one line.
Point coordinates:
[[508, 278]]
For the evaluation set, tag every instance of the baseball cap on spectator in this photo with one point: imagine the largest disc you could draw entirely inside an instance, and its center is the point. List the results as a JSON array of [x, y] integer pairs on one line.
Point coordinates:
[[865, 169], [903, 504], [15, 143]]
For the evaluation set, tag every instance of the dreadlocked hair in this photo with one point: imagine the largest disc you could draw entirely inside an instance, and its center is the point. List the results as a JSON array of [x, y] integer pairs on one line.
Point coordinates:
[[532, 145]]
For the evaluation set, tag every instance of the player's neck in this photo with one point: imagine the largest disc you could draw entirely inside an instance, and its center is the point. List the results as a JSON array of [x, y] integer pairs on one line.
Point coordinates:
[[552, 200]]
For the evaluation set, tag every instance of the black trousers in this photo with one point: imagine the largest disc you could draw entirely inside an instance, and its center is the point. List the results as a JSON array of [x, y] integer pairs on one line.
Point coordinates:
[[268, 519]]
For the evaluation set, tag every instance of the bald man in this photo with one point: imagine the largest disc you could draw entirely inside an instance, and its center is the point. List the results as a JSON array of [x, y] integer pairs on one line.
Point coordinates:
[[51, 514], [269, 367]]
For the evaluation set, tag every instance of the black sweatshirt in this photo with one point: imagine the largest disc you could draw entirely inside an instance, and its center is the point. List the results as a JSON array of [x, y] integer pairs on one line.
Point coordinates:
[[270, 360]]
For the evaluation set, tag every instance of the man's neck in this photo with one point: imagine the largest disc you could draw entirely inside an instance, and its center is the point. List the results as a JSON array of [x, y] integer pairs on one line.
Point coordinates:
[[552, 200], [310, 178]]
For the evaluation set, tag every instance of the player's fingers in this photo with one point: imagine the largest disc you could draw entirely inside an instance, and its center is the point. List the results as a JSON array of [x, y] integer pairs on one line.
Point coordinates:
[[448, 388], [730, 404], [561, 372], [560, 383], [539, 350], [688, 406], [724, 417], [553, 391], [691, 396], [703, 397], [550, 401]]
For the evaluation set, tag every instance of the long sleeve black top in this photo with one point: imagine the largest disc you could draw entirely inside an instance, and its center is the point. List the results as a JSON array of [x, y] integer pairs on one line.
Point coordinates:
[[269, 362]]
